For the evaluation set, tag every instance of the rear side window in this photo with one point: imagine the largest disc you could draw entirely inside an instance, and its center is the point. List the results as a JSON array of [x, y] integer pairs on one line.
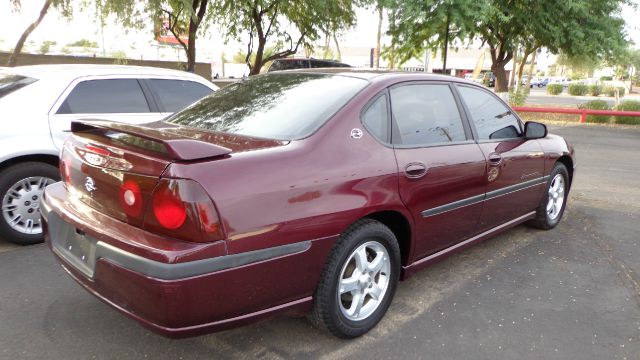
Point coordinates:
[[10, 83], [105, 96], [375, 119], [492, 119], [175, 95], [425, 114]]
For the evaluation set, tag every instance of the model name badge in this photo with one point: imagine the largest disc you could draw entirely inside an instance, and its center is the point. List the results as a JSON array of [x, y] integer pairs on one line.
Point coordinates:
[[356, 133]]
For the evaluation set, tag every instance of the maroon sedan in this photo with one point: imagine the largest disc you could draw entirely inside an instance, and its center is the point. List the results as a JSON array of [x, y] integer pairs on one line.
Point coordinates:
[[296, 192]]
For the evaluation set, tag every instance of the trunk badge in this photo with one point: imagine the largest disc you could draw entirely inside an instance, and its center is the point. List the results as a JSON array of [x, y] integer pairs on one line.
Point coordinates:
[[89, 184]]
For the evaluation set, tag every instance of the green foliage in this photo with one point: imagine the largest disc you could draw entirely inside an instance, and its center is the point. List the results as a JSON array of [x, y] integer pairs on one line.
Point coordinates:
[[596, 105], [45, 47], [554, 89], [581, 66], [518, 97], [595, 90], [610, 91], [577, 27], [84, 43], [628, 105], [277, 22], [578, 89], [119, 57]]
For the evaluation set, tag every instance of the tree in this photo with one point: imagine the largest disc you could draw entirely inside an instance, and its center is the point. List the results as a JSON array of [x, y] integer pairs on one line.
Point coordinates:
[[577, 27], [420, 25], [183, 17], [45, 47], [289, 25], [62, 5]]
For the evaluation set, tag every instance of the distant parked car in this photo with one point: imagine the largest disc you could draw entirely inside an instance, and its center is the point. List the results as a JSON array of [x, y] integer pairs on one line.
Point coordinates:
[[304, 63], [488, 78], [38, 104], [539, 82], [561, 80]]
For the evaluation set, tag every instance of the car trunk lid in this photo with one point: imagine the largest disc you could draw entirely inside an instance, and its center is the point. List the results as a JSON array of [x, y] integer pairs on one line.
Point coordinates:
[[115, 167]]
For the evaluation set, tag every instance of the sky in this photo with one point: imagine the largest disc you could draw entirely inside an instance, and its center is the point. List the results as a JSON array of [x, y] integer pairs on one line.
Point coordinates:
[[136, 43]]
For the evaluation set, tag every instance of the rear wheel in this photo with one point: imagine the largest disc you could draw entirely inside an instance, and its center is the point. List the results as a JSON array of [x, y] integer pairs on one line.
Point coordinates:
[[554, 201], [21, 189], [359, 280]]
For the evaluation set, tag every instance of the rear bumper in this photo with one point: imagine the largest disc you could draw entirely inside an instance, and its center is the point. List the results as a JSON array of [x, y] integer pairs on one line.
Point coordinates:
[[178, 298]]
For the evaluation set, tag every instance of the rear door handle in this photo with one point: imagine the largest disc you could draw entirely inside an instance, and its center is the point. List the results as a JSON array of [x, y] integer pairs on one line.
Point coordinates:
[[415, 170], [495, 159]]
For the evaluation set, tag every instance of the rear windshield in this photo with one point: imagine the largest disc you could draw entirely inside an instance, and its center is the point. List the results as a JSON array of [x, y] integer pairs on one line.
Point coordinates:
[[11, 82], [274, 106]]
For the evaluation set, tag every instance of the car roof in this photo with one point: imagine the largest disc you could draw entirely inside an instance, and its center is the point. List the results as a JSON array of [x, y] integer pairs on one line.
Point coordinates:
[[78, 70], [382, 75]]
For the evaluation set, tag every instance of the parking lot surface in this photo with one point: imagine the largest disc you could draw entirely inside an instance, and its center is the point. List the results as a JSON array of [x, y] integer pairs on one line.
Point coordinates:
[[569, 293]]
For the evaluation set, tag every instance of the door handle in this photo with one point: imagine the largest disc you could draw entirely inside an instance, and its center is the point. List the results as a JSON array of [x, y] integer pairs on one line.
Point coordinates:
[[495, 159], [415, 170]]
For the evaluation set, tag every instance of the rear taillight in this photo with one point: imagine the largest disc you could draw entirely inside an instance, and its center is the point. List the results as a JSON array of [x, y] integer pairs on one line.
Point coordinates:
[[182, 209], [168, 207], [130, 198]]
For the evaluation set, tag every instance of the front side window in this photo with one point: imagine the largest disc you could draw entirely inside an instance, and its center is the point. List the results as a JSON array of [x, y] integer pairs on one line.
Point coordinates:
[[280, 106], [425, 114], [492, 119], [175, 95], [104, 97]]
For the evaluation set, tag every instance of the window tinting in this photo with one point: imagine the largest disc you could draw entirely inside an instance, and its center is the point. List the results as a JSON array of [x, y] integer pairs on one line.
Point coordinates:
[[492, 119], [425, 114], [105, 96], [10, 83], [283, 106], [175, 95], [375, 119]]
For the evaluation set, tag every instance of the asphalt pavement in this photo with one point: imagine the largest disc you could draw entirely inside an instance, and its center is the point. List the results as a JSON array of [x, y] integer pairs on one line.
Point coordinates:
[[569, 293]]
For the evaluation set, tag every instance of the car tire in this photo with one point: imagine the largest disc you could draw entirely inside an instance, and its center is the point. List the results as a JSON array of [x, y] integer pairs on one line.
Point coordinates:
[[21, 187], [370, 246], [554, 200]]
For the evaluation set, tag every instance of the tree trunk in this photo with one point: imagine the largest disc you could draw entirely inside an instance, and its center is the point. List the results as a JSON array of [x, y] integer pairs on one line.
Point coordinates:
[[326, 46], [376, 60], [501, 77], [335, 40], [191, 48], [530, 72], [257, 64], [512, 78], [18, 48], [525, 55], [446, 47], [199, 9]]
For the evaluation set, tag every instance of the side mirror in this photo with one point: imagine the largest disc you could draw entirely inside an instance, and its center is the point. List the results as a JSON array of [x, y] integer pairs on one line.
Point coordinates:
[[534, 130]]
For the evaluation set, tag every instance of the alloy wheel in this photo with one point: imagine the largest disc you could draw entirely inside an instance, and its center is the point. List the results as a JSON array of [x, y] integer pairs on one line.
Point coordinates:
[[21, 204], [364, 281], [556, 196]]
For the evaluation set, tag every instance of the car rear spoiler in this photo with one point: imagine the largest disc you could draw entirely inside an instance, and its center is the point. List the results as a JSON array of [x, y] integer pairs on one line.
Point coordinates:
[[178, 147]]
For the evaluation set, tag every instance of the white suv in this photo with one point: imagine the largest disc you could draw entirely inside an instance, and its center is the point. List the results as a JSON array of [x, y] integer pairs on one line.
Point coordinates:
[[38, 104]]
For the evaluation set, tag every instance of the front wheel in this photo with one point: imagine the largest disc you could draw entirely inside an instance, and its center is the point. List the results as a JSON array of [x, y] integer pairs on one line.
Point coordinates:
[[554, 201], [359, 280], [21, 189]]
